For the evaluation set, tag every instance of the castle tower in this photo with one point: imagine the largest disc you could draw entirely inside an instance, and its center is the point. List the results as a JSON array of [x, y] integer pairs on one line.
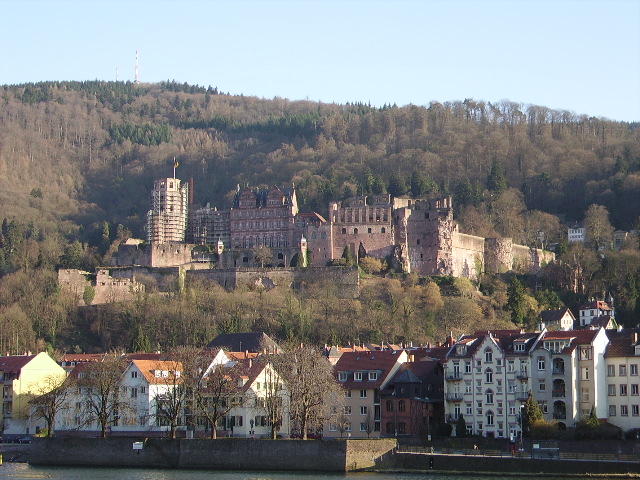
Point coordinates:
[[167, 219], [303, 252]]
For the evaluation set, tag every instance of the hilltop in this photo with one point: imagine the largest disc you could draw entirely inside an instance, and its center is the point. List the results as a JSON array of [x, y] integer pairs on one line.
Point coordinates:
[[78, 160]]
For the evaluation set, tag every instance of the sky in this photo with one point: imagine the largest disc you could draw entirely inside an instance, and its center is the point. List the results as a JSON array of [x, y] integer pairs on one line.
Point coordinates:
[[582, 56]]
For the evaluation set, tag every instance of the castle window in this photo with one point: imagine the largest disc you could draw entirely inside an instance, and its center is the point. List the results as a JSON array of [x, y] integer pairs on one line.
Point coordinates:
[[245, 259], [384, 230], [368, 230], [280, 256], [426, 215], [344, 231], [355, 230], [418, 241]]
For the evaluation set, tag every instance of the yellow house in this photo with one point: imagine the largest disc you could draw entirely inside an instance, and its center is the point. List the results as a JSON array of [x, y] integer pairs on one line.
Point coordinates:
[[21, 376]]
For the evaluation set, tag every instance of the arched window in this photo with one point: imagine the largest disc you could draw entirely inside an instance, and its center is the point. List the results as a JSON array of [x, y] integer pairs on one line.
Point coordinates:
[[280, 256], [488, 375], [384, 230], [401, 407], [489, 395], [489, 417], [389, 405], [488, 355], [344, 231], [355, 230]]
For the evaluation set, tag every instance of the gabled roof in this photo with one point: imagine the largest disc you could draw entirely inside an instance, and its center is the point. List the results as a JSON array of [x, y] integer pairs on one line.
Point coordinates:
[[576, 337], [622, 343], [504, 339], [381, 361], [149, 367], [253, 342], [555, 316], [83, 357], [14, 363], [596, 305]]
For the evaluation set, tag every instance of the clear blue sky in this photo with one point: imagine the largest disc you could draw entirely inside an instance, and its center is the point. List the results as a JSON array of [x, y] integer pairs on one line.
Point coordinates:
[[582, 56]]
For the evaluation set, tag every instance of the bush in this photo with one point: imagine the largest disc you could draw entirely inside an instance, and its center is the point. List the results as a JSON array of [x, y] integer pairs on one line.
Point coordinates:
[[371, 265]]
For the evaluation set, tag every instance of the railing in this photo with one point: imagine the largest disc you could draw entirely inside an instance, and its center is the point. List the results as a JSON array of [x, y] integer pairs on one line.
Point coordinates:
[[454, 376], [535, 453], [558, 371], [558, 393], [522, 395], [451, 418], [559, 415], [522, 375], [454, 397]]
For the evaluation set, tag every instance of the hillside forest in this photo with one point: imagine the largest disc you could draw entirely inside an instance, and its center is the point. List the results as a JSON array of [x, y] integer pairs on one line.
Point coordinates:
[[78, 160]]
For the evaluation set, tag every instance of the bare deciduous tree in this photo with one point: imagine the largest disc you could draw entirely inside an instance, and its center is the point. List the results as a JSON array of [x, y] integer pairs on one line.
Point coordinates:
[[48, 398]]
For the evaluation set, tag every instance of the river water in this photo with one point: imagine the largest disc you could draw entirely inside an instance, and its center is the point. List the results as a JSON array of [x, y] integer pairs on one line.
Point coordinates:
[[23, 471]]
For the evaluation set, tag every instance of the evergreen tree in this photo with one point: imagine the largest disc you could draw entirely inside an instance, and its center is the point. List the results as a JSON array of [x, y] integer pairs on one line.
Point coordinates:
[[497, 180], [461, 426], [532, 413], [516, 301]]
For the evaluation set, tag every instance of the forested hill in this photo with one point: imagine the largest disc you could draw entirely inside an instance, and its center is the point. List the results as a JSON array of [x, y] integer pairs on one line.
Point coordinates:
[[80, 157]]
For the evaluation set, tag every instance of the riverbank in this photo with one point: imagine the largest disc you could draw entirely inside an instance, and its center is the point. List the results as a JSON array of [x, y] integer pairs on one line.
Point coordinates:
[[15, 452]]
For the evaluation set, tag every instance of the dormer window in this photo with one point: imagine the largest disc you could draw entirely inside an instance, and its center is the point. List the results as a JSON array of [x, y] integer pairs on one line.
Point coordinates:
[[373, 375], [461, 350], [518, 347], [357, 376], [342, 376]]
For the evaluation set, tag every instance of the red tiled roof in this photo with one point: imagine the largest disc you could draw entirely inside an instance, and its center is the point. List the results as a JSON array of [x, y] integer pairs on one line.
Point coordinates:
[[381, 361]]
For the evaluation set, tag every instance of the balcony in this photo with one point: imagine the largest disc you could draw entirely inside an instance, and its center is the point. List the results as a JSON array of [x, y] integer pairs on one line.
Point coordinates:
[[451, 418], [558, 393], [522, 375], [559, 415], [453, 397], [522, 395], [454, 376]]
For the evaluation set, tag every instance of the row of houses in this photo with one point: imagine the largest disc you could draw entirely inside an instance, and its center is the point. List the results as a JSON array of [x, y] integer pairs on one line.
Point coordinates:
[[389, 390]]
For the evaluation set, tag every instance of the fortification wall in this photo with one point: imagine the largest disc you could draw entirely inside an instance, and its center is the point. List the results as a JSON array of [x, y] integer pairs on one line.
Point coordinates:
[[106, 288], [377, 244], [345, 280], [498, 255], [224, 454], [468, 255]]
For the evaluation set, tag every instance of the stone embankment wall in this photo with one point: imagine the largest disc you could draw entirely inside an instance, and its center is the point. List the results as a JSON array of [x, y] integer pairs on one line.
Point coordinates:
[[226, 454], [476, 464]]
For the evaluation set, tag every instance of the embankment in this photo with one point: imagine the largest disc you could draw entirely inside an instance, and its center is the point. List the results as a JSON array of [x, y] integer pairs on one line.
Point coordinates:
[[223, 454]]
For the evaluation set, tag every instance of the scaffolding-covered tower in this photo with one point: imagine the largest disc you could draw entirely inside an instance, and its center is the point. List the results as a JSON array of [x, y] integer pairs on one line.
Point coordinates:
[[167, 219]]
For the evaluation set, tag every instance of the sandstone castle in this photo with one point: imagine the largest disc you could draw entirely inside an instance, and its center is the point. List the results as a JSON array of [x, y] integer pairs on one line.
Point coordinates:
[[264, 240]]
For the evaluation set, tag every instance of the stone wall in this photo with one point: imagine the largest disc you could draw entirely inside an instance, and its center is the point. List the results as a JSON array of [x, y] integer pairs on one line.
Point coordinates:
[[225, 454], [345, 280], [468, 255], [106, 288]]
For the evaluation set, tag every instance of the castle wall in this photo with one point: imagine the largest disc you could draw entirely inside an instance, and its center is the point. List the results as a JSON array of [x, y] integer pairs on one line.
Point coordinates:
[[498, 255], [468, 255], [530, 260], [345, 280], [106, 288]]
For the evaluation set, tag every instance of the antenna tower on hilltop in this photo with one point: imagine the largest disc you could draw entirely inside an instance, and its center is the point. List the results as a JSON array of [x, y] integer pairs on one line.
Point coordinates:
[[137, 80]]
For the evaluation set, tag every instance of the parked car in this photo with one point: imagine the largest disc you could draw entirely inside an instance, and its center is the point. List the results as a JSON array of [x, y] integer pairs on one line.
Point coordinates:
[[26, 439]]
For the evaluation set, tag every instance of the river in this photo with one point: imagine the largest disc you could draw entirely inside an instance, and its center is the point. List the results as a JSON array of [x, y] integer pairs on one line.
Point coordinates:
[[24, 471]]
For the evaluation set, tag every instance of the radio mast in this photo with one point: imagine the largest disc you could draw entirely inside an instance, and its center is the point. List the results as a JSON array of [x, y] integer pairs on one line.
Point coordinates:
[[137, 80]]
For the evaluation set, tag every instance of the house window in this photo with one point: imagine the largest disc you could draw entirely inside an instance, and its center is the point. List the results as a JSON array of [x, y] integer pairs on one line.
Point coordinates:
[[363, 394], [541, 364], [488, 375], [511, 366], [347, 394], [134, 374], [469, 409], [623, 390], [357, 376], [611, 370], [373, 375], [635, 410], [622, 370], [347, 427], [342, 376], [489, 417], [519, 347], [363, 410], [401, 406], [611, 390], [542, 386], [333, 427], [633, 369], [634, 389], [467, 367], [624, 410], [363, 426], [584, 372], [488, 355], [134, 392], [489, 396], [347, 410], [389, 406], [402, 428], [585, 353]]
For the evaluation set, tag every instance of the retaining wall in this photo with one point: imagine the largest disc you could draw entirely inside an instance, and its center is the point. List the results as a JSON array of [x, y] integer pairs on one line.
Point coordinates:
[[464, 463], [223, 454]]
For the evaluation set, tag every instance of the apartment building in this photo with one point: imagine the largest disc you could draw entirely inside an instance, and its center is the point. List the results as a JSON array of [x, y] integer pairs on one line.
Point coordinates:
[[488, 379], [622, 358], [567, 375]]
